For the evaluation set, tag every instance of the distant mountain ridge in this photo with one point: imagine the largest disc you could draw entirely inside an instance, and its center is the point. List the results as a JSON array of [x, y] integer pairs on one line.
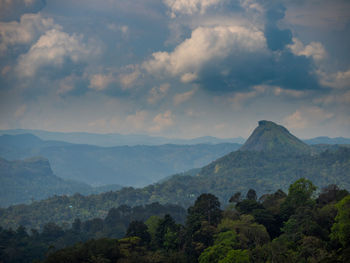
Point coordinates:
[[23, 181], [122, 165], [269, 136], [327, 140], [116, 139]]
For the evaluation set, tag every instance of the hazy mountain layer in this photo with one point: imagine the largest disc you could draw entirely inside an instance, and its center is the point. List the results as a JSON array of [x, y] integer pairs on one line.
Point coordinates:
[[264, 171], [123, 165], [116, 139], [238, 171], [327, 140], [22, 181]]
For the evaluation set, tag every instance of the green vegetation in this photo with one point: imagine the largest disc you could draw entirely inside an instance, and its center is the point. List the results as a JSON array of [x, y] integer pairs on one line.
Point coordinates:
[[32, 179], [19, 246], [239, 172], [269, 137], [25, 181], [262, 170], [296, 227]]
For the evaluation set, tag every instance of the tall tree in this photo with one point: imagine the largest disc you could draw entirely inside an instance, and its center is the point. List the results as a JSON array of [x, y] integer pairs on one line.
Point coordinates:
[[300, 194], [206, 208], [251, 195], [341, 227]]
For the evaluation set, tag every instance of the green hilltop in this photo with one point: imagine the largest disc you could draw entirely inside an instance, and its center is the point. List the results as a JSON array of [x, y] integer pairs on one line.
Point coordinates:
[[270, 137]]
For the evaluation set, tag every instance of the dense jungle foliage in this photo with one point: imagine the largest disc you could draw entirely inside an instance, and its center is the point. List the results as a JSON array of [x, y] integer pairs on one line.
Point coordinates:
[[296, 227]]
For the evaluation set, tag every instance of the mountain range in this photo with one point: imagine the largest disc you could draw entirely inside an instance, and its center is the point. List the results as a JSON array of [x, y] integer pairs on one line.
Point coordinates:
[[116, 139], [327, 140], [123, 165], [271, 159]]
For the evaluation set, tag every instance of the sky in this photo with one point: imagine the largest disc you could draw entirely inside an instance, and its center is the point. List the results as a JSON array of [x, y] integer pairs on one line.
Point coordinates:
[[175, 68]]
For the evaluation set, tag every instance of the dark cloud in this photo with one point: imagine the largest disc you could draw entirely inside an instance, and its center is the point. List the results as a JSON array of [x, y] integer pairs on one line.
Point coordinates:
[[276, 38], [14, 9], [293, 72], [129, 30], [235, 73], [280, 67], [238, 73]]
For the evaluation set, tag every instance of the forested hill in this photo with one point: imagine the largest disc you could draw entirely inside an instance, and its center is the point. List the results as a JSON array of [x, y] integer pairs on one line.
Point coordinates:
[[298, 226], [23, 181], [237, 171], [32, 178]]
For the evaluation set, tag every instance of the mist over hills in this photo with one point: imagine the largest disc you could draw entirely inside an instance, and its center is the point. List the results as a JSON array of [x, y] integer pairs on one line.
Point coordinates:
[[32, 179], [275, 165], [327, 140], [116, 139], [123, 165]]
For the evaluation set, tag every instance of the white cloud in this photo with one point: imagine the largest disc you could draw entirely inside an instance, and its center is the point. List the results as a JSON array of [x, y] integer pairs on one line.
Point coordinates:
[[5, 70], [319, 14], [295, 121], [190, 7], [142, 121], [123, 29], [124, 78], [100, 123], [136, 122], [128, 80], [101, 81], [182, 97], [306, 117], [288, 92], [205, 45], [240, 97], [340, 98], [53, 49], [188, 77], [252, 5], [158, 93], [162, 121], [21, 111], [67, 84], [314, 49], [24, 32], [339, 80]]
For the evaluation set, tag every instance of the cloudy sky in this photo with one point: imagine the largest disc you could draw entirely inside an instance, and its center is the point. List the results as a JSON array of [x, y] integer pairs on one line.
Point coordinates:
[[177, 68]]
